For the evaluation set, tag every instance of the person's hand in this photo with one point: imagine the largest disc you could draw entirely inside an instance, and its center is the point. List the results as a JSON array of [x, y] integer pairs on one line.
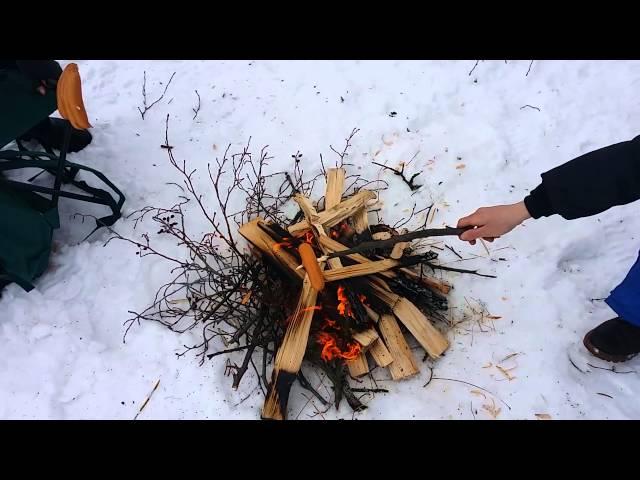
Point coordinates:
[[492, 222]]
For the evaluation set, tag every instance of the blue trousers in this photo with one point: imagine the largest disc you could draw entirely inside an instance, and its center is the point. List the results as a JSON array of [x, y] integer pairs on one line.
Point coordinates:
[[625, 298]]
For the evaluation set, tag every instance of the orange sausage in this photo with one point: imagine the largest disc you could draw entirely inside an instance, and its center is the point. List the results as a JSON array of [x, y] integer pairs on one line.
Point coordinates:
[[310, 263]]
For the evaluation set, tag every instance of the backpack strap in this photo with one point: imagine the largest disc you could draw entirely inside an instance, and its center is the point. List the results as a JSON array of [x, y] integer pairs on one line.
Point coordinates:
[[15, 160]]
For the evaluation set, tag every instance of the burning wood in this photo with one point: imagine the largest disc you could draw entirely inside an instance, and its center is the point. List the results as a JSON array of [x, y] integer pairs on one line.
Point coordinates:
[[270, 247], [290, 354], [348, 341]]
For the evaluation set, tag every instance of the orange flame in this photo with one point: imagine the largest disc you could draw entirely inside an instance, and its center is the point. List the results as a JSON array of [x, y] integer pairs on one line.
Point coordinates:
[[352, 352], [331, 351], [334, 234], [343, 303]]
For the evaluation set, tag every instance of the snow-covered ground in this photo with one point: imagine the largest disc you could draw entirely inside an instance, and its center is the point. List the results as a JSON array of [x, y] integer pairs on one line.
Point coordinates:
[[477, 143]]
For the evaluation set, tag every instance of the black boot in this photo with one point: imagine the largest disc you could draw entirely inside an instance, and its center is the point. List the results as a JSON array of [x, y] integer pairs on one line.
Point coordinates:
[[614, 340], [50, 134]]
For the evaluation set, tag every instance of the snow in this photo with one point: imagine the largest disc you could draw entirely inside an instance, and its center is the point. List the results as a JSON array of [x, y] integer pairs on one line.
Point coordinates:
[[62, 351]]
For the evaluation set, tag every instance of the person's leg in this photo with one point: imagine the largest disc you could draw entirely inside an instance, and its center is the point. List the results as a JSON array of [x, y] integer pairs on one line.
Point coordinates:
[[625, 298], [618, 339]]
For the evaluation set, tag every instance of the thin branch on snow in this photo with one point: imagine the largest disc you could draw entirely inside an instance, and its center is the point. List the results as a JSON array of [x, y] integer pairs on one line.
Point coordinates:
[[144, 95], [147, 400], [530, 65], [346, 147], [612, 369], [400, 173], [432, 377], [474, 67], [196, 109], [454, 252]]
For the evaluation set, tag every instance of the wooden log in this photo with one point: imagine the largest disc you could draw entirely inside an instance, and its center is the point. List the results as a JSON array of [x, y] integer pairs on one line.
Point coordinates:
[[335, 187], [359, 366], [268, 246], [404, 364], [359, 270], [386, 295], [421, 328], [375, 280], [380, 353], [332, 216], [332, 197], [310, 213], [366, 338], [398, 250], [335, 246], [380, 236], [290, 354], [416, 322], [378, 350], [373, 315], [361, 220]]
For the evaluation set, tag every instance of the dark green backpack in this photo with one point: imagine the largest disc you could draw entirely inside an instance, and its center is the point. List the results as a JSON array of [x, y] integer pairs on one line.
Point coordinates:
[[28, 212]]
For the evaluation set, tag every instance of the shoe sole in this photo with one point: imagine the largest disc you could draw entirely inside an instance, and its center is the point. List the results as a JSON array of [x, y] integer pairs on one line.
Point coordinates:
[[608, 357]]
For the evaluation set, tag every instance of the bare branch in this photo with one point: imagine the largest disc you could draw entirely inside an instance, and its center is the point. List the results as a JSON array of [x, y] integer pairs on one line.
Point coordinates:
[[144, 95], [196, 109]]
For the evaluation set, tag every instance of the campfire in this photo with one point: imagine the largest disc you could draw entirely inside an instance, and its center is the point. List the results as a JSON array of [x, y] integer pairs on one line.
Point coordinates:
[[326, 287], [356, 290]]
